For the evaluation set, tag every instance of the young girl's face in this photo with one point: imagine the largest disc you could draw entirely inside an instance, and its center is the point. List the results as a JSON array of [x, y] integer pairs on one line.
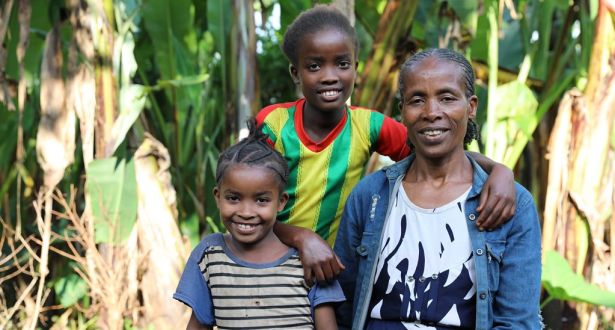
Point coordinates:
[[326, 69], [249, 199]]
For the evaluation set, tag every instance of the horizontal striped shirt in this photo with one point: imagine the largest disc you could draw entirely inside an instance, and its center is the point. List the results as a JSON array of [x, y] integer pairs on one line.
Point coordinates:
[[234, 294]]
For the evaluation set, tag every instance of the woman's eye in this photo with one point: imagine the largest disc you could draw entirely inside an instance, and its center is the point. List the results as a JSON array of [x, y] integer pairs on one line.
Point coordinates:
[[448, 99]]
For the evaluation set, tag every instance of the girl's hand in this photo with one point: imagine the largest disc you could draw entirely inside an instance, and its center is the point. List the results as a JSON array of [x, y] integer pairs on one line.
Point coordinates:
[[317, 258], [498, 200]]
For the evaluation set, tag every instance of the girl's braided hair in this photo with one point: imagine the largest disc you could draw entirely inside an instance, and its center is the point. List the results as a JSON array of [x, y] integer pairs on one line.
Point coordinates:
[[254, 151]]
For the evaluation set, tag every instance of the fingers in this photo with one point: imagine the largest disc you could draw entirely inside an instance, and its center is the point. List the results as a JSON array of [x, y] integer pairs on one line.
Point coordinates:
[[488, 219], [484, 196], [307, 275], [320, 276], [339, 263]]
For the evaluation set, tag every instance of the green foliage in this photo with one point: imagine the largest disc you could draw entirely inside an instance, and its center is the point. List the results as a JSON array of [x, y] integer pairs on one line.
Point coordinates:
[[563, 284], [70, 289], [113, 192]]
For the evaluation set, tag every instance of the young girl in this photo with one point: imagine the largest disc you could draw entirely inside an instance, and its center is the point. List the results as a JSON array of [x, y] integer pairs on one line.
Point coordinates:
[[248, 278], [327, 143]]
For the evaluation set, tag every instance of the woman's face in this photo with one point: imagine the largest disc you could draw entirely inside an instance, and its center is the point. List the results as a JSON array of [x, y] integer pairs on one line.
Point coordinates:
[[435, 109]]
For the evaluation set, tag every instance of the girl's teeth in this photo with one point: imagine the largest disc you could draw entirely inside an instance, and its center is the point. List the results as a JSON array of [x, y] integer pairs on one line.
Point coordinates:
[[329, 93], [242, 226]]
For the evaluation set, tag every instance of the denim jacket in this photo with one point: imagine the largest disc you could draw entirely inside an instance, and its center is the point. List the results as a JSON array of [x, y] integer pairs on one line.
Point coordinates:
[[508, 259]]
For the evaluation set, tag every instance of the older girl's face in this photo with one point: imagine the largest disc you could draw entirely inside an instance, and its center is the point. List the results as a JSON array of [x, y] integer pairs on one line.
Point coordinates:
[[435, 109]]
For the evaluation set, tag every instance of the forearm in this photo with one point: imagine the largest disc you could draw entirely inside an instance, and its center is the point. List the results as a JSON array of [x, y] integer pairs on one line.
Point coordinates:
[[483, 161], [324, 317], [289, 235], [194, 324]]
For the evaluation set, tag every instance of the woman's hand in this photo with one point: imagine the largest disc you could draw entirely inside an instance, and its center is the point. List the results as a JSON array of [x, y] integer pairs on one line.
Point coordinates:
[[498, 199]]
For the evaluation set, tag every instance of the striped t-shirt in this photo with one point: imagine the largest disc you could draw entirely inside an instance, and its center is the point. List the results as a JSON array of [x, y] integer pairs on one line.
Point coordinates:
[[226, 291], [323, 174]]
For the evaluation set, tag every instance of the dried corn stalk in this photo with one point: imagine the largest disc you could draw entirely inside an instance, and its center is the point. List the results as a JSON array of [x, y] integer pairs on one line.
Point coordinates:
[[162, 249], [5, 94], [55, 140]]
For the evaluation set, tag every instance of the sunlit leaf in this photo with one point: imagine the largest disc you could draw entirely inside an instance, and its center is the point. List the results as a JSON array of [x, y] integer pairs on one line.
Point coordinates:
[[132, 100], [516, 101], [113, 194], [563, 284]]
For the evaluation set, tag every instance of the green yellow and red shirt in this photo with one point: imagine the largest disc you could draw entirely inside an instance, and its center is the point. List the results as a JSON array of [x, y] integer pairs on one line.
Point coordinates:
[[323, 174]]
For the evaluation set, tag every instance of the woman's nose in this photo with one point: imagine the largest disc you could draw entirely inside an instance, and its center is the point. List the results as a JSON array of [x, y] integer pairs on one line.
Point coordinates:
[[432, 111]]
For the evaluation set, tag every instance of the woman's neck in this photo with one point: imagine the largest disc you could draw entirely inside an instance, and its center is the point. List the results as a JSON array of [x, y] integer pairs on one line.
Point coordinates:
[[455, 167]]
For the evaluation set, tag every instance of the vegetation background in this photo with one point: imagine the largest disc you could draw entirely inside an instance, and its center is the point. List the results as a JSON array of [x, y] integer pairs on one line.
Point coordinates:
[[113, 113]]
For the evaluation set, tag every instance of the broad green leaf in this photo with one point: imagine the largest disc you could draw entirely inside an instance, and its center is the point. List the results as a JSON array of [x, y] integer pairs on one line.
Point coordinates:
[[70, 289], [516, 102], [132, 100], [124, 63], [563, 284], [113, 193], [290, 9], [466, 10]]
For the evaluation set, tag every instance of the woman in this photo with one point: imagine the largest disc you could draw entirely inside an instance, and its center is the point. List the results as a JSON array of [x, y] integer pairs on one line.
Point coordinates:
[[414, 258]]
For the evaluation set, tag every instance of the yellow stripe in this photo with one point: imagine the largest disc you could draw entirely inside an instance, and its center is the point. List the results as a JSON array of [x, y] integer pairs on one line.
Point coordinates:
[[359, 154], [275, 121], [311, 187]]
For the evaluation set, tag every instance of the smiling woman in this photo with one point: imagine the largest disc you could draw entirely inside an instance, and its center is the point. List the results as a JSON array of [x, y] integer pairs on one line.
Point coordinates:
[[413, 254]]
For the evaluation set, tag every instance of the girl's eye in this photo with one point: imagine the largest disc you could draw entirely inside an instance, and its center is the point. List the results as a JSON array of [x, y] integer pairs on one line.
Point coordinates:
[[345, 64], [313, 66], [262, 200], [232, 198]]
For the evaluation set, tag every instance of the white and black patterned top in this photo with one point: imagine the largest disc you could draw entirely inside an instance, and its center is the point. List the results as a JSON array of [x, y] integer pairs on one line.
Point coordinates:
[[426, 277]]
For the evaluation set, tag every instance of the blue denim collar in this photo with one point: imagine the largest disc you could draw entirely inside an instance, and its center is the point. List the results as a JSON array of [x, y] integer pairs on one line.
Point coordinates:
[[393, 172]]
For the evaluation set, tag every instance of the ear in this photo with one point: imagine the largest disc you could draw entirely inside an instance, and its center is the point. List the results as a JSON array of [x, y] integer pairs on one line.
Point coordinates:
[[473, 104], [217, 196], [295, 74], [283, 199]]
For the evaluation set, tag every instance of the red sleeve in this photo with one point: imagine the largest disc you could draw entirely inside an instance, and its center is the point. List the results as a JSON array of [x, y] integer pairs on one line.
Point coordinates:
[[392, 140], [260, 118]]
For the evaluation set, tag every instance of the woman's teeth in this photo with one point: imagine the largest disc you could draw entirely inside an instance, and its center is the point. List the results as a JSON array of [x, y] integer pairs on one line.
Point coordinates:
[[434, 132]]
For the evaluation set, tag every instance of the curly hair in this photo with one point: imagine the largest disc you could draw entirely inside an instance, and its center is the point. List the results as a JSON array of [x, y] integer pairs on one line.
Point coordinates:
[[473, 131], [254, 151], [311, 21]]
